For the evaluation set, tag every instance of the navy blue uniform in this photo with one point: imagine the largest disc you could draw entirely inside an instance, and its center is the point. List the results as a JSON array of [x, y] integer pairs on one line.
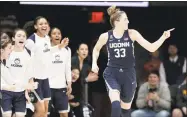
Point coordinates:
[[120, 73]]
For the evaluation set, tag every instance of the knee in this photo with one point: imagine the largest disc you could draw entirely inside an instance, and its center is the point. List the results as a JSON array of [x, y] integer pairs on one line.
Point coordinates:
[[138, 113], [126, 106], [63, 114], [176, 113], [114, 95], [163, 113], [20, 114], [7, 114]]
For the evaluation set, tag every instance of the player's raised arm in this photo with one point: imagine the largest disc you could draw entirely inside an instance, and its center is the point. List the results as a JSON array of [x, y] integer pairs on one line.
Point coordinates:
[[100, 43], [151, 47]]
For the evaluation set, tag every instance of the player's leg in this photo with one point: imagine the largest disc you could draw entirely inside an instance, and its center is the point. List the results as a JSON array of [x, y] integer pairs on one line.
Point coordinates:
[[20, 104], [6, 107], [39, 105], [61, 102], [128, 88], [46, 94], [113, 91]]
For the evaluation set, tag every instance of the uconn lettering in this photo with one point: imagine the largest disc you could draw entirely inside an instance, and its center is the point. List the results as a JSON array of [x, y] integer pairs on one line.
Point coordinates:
[[55, 62], [119, 45], [15, 65]]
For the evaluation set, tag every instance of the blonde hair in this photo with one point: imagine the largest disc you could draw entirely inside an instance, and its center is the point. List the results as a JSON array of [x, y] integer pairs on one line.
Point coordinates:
[[114, 14]]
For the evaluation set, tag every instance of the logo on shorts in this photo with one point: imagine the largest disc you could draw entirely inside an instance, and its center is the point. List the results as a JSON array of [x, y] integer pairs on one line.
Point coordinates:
[[46, 48], [16, 63], [120, 70], [57, 59]]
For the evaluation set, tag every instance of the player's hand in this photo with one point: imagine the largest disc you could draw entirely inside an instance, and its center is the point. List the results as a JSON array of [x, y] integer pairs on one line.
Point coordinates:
[[92, 77], [27, 97], [70, 97], [12, 87], [184, 109], [64, 42], [69, 90], [95, 68], [31, 86], [167, 33]]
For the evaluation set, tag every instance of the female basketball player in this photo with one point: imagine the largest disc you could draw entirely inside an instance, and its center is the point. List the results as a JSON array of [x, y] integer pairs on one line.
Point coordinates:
[[60, 73], [39, 44], [120, 75], [14, 78]]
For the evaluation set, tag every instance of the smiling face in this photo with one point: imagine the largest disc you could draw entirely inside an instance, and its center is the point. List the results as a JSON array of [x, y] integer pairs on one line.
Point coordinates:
[[75, 74], [56, 36], [42, 27], [83, 51]]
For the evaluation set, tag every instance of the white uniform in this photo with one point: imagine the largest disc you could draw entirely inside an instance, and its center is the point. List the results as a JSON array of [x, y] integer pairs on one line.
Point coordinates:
[[20, 67], [60, 68], [41, 50], [6, 77]]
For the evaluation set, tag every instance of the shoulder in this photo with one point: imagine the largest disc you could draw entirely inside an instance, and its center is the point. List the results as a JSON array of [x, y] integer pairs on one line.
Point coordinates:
[[104, 35], [133, 34], [163, 85], [144, 86]]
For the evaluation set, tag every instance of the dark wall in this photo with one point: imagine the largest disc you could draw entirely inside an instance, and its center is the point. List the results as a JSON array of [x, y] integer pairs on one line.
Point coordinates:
[[150, 22]]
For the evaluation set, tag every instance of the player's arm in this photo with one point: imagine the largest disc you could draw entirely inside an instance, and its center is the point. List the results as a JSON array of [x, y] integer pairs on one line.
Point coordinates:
[[100, 43], [68, 68], [151, 47], [64, 43]]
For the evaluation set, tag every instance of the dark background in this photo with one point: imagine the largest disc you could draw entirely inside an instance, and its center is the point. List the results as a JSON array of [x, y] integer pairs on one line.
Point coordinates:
[[73, 21]]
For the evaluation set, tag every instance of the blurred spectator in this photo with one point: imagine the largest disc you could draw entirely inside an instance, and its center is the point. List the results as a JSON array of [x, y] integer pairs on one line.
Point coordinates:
[[74, 98], [100, 99], [153, 63], [82, 61], [153, 98], [4, 35], [29, 28], [8, 24], [173, 67], [181, 100]]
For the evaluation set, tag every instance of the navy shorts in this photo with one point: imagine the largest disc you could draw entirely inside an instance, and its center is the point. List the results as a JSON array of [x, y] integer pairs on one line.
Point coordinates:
[[59, 100], [43, 91], [122, 80], [13, 100]]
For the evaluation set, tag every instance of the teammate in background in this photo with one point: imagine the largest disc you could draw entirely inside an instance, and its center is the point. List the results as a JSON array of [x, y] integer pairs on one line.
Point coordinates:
[[39, 44], [60, 74], [120, 74]]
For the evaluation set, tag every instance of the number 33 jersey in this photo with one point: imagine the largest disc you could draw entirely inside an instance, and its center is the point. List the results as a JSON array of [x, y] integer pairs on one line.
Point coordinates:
[[120, 51]]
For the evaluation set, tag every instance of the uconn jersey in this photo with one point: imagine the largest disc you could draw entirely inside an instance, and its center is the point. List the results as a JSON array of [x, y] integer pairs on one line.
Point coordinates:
[[60, 68], [19, 64], [120, 51], [41, 48]]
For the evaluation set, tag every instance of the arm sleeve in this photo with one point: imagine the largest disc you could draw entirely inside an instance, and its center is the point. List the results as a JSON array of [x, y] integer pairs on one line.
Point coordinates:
[[165, 98], [68, 66], [162, 73], [184, 66], [141, 99], [30, 45]]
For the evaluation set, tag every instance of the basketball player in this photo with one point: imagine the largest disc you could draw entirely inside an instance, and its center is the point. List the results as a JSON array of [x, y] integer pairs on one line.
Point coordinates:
[[39, 44], [120, 75], [60, 73], [14, 78]]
